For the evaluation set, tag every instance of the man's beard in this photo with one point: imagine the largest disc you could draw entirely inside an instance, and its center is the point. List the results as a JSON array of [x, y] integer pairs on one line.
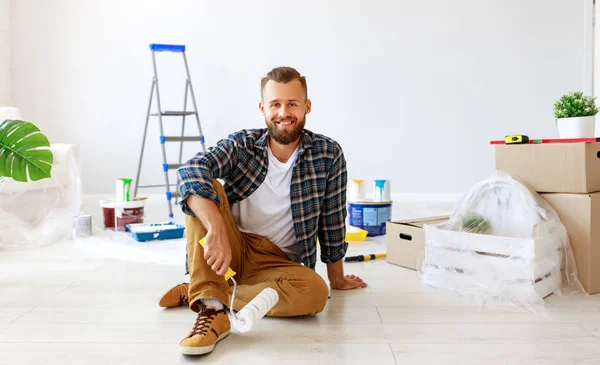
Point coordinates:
[[286, 137]]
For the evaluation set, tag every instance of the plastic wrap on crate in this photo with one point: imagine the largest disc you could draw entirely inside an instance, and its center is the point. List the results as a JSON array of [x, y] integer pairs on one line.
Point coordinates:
[[503, 244], [155, 231]]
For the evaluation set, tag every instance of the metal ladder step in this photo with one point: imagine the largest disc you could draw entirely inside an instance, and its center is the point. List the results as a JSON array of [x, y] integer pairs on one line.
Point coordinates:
[[173, 194], [173, 114], [155, 186], [171, 166], [181, 139]]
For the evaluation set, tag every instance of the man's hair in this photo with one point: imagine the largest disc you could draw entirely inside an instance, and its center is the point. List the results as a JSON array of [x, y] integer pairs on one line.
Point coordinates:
[[283, 75]]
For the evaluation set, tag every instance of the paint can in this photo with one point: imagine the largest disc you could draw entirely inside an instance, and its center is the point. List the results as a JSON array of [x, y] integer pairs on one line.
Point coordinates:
[[108, 214], [117, 215], [381, 191], [370, 216], [123, 190], [82, 226], [357, 193], [129, 213]]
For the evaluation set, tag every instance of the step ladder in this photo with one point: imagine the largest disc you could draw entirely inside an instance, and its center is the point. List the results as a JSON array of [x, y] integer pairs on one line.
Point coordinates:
[[160, 113]]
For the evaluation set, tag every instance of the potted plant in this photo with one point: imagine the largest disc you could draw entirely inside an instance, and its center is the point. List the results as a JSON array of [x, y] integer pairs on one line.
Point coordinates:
[[24, 152], [575, 115]]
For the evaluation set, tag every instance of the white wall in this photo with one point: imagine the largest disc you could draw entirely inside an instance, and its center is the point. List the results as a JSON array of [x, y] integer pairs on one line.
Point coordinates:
[[414, 90], [5, 54]]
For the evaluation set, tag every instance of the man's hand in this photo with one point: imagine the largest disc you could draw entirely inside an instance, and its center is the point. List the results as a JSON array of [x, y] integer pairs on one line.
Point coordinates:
[[349, 282], [217, 250], [337, 280]]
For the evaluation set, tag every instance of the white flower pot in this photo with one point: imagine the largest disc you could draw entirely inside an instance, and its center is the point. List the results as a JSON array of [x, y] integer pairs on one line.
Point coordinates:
[[577, 127]]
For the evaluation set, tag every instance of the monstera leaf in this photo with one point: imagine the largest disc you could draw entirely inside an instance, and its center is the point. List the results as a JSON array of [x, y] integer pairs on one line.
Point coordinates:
[[22, 151]]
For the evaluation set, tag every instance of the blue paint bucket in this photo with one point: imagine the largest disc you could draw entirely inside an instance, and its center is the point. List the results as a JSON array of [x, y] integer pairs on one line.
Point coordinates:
[[370, 216]]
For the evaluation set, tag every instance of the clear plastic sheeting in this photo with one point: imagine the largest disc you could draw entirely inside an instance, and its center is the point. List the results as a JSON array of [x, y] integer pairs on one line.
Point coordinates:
[[503, 244], [39, 213], [122, 246], [109, 243]]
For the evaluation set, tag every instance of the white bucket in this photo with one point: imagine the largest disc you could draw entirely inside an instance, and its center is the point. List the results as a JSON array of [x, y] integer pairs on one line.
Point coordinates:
[[381, 191], [577, 127], [82, 226], [357, 192]]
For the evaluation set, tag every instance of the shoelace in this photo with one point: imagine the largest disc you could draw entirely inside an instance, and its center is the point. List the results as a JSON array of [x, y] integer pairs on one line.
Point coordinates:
[[204, 320], [183, 299]]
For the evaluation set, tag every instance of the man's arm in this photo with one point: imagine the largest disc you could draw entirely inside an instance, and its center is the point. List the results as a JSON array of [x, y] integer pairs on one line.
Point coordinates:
[[198, 198], [332, 226], [217, 250]]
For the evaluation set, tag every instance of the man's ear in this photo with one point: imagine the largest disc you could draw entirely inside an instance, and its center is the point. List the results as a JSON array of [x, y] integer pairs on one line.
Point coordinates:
[[308, 106], [261, 107]]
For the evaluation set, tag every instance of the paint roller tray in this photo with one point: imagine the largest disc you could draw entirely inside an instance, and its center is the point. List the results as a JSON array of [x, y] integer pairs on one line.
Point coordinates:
[[155, 231]]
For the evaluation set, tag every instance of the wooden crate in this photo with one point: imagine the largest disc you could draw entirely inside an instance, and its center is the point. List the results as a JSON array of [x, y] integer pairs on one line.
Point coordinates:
[[516, 269]]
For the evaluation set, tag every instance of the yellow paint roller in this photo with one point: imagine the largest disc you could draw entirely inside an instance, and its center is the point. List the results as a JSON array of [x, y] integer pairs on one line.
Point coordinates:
[[246, 318]]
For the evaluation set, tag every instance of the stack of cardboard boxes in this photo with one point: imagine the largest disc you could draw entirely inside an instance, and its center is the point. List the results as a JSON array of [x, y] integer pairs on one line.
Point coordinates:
[[566, 175]]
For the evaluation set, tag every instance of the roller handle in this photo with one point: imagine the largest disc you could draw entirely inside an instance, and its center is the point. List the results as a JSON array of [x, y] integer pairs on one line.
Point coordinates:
[[229, 272]]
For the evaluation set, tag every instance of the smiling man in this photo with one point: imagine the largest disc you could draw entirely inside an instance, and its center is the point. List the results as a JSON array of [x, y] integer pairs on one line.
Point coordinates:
[[284, 188]]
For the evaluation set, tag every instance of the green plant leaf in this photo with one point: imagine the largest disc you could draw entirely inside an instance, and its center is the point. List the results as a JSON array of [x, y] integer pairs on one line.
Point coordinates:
[[575, 104], [476, 224], [23, 150]]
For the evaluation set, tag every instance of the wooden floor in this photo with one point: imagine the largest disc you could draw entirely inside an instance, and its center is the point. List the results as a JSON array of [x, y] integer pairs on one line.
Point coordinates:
[[61, 306]]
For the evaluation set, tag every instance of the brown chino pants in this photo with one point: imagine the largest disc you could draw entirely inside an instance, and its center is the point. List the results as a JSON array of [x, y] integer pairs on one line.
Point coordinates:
[[258, 264]]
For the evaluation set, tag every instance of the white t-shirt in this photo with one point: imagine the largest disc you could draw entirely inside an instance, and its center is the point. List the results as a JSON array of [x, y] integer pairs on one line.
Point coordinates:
[[268, 211]]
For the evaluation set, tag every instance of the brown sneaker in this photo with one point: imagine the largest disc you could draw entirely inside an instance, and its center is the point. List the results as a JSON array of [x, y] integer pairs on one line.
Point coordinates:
[[211, 327], [175, 296]]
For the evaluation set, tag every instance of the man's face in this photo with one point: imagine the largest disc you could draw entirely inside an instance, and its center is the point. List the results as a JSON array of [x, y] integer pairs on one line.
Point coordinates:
[[284, 107]]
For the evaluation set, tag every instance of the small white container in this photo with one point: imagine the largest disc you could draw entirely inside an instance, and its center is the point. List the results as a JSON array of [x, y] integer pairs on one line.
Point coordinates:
[[577, 127], [357, 191], [381, 191], [82, 226], [123, 190]]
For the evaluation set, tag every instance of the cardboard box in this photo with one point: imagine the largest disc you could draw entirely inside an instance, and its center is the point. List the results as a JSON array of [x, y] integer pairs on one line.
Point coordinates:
[[405, 240], [553, 167], [580, 214]]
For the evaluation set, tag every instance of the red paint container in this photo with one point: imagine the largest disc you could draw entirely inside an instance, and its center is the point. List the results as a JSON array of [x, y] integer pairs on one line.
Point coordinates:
[[118, 215]]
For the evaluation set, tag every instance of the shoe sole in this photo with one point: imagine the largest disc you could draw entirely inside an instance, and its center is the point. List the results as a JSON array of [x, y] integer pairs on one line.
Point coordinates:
[[163, 295], [186, 350]]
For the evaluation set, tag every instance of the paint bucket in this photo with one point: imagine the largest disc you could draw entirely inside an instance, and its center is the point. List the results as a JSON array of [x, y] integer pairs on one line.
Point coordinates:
[[381, 191], [370, 216], [129, 213], [82, 226], [357, 192], [118, 215], [108, 214]]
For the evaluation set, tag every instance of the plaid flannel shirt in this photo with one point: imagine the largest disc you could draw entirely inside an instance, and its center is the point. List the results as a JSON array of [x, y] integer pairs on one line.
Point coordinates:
[[317, 191]]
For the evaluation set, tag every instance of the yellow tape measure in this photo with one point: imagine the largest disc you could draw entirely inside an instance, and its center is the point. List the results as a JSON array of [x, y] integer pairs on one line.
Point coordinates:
[[229, 272], [516, 139]]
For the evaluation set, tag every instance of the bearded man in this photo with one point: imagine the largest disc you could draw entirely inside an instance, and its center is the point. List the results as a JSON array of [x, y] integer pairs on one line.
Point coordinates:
[[283, 188]]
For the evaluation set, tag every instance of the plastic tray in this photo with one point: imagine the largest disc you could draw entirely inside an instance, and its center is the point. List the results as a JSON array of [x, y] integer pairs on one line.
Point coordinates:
[[155, 231], [355, 234]]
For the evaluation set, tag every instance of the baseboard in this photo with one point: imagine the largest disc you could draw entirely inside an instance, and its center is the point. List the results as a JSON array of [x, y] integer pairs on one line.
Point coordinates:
[[447, 197], [427, 197]]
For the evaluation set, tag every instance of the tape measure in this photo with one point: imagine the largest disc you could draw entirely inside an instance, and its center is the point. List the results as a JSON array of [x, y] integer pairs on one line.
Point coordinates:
[[517, 139]]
